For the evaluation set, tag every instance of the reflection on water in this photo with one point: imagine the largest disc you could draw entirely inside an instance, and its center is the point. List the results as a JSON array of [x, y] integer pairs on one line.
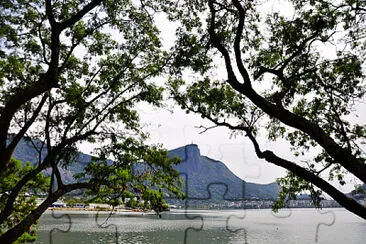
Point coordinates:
[[238, 226]]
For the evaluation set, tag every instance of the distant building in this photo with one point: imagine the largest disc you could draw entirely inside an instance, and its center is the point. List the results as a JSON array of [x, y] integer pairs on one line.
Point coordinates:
[[79, 205], [100, 205], [58, 205]]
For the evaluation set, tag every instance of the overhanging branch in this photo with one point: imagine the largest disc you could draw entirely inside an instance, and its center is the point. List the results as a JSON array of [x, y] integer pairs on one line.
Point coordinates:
[[337, 195], [337, 152]]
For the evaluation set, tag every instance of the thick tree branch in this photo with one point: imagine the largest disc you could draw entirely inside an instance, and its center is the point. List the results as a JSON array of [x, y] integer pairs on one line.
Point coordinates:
[[45, 83], [312, 177], [349, 203], [238, 36], [217, 43], [341, 155], [269, 156], [57, 174], [49, 13], [79, 15]]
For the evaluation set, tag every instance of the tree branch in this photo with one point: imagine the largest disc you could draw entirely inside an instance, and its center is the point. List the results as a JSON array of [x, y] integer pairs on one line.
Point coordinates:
[[26, 126], [349, 203], [12, 234], [239, 32], [341, 155], [11, 107], [49, 13], [79, 15], [269, 156], [217, 43]]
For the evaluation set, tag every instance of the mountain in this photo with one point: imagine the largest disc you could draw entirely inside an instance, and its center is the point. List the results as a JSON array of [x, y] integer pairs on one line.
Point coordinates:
[[205, 178], [208, 178], [26, 152], [359, 193]]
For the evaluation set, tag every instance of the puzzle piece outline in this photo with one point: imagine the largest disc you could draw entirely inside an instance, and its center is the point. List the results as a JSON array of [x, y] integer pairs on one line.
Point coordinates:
[[105, 222], [322, 223], [57, 229], [207, 198]]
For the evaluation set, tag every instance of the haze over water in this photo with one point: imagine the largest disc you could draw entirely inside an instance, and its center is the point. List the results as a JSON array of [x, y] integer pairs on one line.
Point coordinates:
[[244, 226]]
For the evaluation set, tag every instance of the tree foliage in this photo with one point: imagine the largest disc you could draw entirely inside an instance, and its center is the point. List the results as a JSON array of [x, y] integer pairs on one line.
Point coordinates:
[[296, 73], [71, 72], [25, 202]]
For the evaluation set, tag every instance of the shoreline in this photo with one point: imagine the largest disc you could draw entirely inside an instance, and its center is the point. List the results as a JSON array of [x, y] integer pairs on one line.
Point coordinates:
[[97, 211]]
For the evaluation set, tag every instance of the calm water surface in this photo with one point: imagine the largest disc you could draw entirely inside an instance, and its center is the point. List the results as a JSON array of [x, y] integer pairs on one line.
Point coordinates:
[[204, 226]]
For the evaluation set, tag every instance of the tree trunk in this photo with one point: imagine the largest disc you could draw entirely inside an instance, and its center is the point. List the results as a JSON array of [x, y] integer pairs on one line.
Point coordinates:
[[14, 233]]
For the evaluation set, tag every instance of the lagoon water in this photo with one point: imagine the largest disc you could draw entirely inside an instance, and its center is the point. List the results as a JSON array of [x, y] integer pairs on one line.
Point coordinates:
[[203, 226]]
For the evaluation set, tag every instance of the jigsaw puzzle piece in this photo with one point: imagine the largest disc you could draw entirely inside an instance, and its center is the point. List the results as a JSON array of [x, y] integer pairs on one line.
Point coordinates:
[[208, 189], [102, 222], [331, 220], [235, 223], [213, 225], [66, 224], [186, 206], [188, 230]]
